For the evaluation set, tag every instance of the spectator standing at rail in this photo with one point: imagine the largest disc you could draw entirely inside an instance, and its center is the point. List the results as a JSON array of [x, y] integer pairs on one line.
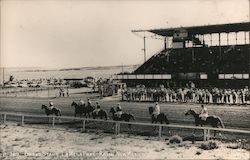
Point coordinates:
[[157, 110], [204, 113]]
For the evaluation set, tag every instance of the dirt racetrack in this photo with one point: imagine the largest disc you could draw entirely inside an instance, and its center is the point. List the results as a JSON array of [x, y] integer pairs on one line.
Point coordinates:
[[233, 116], [237, 117]]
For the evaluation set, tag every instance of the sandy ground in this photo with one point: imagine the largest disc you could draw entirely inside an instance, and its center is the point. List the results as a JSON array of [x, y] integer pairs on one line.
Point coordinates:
[[35, 143]]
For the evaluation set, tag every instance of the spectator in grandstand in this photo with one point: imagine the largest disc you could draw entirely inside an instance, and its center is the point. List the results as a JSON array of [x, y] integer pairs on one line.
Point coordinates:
[[98, 108], [157, 110], [118, 110], [204, 113]]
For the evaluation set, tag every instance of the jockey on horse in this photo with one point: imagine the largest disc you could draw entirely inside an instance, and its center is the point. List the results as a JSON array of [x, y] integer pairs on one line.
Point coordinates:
[[81, 102], [157, 110], [98, 108], [118, 110], [51, 105], [204, 113]]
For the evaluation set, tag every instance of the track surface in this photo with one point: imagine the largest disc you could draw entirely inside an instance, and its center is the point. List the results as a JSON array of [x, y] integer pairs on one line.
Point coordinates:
[[233, 116]]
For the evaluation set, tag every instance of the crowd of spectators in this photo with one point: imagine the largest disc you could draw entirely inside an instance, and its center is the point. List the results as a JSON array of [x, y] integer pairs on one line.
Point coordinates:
[[193, 95]]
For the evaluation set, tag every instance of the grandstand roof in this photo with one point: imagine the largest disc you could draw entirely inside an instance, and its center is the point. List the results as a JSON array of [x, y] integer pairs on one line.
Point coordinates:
[[208, 29]]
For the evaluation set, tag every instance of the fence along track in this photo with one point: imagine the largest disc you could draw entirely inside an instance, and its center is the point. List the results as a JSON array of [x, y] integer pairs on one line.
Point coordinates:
[[206, 130]]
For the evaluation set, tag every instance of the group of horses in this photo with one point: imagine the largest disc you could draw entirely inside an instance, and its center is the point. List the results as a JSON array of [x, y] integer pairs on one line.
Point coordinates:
[[88, 111]]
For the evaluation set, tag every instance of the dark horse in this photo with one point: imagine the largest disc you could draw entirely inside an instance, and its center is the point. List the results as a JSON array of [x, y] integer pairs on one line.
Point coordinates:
[[48, 111], [124, 117], [79, 109], [101, 114], [214, 121], [160, 118], [82, 109]]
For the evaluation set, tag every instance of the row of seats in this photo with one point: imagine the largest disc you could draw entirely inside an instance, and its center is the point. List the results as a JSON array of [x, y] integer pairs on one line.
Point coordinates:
[[225, 59]]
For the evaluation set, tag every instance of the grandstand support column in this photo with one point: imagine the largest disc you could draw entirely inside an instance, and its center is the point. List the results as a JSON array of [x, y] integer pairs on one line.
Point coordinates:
[[227, 39], [165, 43], [249, 46], [220, 45], [211, 39], [236, 38]]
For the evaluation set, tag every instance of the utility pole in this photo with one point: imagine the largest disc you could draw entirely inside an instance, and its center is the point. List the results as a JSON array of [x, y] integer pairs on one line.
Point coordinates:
[[3, 76], [144, 48]]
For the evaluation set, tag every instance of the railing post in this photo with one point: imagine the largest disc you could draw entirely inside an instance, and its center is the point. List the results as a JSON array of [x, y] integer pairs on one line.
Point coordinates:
[[208, 134], [119, 127], [83, 125], [205, 135], [22, 123], [115, 128], [160, 130], [53, 121], [4, 118]]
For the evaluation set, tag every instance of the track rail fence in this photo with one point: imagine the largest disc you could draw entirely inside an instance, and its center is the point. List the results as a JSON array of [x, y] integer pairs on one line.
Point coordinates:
[[117, 128]]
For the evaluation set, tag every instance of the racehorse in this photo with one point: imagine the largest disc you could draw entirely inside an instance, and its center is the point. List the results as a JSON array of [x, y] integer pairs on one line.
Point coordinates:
[[48, 111], [214, 121], [100, 114], [79, 109], [124, 117], [160, 118]]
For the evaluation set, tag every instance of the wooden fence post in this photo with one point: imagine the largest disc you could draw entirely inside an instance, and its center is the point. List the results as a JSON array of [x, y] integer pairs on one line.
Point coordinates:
[[208, 134], [205, 135], [4, 118], [53, 121], [83, 125], [160, 130], [119, 127], [22, 123], [115, 128]]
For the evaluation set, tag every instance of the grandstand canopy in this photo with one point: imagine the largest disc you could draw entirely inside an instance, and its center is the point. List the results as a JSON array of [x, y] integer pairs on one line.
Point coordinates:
[[200, 30]]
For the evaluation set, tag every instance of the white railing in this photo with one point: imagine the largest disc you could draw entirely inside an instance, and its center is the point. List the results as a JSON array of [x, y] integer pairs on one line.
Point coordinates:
[[206, 130]]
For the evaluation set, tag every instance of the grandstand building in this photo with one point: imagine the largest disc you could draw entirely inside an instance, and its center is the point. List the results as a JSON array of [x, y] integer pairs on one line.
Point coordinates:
[[207, 56]]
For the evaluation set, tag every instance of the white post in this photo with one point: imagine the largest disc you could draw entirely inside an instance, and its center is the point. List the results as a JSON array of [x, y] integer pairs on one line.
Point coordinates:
[[4, 118], [116, 128], [160, 130], [208, 134], [83, 125], [205, 134], [53, 121], [22, 123]]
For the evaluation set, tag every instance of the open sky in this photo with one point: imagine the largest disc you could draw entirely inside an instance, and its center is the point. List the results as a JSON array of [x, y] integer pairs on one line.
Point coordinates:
[[78, 33]]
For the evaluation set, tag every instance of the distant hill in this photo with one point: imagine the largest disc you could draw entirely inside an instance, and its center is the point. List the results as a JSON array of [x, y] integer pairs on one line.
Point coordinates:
[[99, 67]]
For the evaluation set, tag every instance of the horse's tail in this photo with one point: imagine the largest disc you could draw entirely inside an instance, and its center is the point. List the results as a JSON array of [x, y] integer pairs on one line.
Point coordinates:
[[166, 119], [59, 112], [150, 110], [105, 115], [221, 123]]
